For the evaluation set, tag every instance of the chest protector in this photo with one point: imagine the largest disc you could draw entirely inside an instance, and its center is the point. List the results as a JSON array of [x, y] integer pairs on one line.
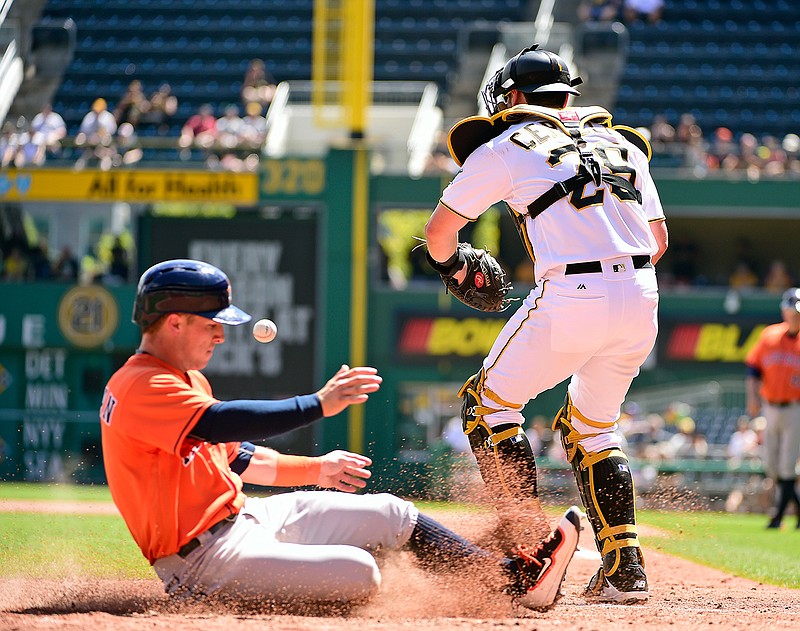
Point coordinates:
[[469, 134]]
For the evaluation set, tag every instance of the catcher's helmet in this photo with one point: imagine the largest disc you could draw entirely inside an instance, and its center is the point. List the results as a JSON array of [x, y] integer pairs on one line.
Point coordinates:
[[185, 286], [791, 299], [529, 71]]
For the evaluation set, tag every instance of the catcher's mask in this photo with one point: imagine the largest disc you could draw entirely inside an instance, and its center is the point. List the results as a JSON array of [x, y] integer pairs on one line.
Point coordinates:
[[529, 71], [185, 286]]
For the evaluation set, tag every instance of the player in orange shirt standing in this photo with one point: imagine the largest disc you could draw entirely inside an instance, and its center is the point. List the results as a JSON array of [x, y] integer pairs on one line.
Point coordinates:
[[773, 389], [176, 459]]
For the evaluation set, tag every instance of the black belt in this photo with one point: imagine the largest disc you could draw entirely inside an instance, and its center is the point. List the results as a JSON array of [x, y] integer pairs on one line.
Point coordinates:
[[591, 267], [195, 543], [781, 404]]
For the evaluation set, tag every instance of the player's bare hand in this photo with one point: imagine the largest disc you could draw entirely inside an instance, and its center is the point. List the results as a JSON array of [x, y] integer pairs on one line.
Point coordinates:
[[344, 471], [348, 386]]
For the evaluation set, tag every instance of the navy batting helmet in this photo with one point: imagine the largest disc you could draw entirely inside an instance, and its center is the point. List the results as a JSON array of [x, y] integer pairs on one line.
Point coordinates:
[[185, 286], [529, 71]]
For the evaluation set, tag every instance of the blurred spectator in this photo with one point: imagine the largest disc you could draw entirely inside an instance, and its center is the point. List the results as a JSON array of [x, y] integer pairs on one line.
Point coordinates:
[[10, 147], [688, 442], [599, 10], [229, 128], [15, 265], [773, 156], [229, 134], [199, 131], [132, 105], [41, 267], [743, 277], [662, 133], [454, 437], [254, 127], [791, 145], [163, 106], [96, 136], [47, 131], [554, 451], [748, 156], [119, 268], [686, 128], [695, 147], [723, 152], [649, 11], [539, 434], [128, 149], [258, 85], [92, 267], [66, 266], [743, 443], [778, 278]]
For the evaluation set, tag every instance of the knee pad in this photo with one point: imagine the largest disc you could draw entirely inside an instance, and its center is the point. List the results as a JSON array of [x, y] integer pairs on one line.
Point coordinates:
[[503, 452], [605, 485]]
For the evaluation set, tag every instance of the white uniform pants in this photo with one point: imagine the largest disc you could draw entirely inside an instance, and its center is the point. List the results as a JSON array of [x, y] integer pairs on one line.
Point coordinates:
[[597, 328], [781, 440], [304, 546]]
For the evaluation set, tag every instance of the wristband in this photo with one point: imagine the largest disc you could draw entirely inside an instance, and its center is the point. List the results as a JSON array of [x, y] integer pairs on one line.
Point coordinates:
[[448, 267], [296, 470]]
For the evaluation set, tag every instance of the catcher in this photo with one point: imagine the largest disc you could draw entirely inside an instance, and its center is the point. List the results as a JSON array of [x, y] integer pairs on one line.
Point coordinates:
[[589, 216]]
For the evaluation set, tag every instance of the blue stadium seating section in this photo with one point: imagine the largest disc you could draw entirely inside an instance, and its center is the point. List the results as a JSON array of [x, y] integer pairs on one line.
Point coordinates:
[[202, 47], [733, 63]]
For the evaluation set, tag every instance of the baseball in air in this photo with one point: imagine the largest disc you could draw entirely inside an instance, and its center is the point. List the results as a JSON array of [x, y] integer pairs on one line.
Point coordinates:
[[265, 330]]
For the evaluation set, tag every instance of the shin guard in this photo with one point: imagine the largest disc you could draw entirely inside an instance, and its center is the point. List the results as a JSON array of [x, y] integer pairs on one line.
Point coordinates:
[[606, 488], [507, 466]]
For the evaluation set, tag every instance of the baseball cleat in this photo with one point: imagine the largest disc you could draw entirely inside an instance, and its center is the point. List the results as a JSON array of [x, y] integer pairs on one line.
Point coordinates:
[[538, 573], [627, 586]]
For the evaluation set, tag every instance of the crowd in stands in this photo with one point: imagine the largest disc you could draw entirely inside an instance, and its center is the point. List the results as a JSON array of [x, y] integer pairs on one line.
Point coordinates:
[[230, 136], [107, 263], [682, 270], [110, 137], [723, 152], [23, 143], [651, 437]]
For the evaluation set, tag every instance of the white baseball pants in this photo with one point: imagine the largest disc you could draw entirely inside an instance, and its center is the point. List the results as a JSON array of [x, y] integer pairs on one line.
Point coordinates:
[[781, 441], [597, 328], [308, 546]]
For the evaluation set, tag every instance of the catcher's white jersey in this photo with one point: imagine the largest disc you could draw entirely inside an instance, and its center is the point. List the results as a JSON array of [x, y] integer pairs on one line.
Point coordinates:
[[594, 323], [597, 223]]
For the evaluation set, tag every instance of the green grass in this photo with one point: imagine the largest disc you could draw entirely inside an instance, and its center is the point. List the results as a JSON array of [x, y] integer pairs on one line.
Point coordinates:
[[60, 545], [735, 543], [59, 492]]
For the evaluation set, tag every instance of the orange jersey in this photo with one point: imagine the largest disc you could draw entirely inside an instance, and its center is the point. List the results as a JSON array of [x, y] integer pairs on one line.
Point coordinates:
[[168, 487], [777, 357]]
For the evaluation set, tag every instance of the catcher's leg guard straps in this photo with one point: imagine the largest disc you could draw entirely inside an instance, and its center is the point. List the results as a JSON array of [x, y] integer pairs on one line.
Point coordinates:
[[508, 468], [606, 488], [503, 452]]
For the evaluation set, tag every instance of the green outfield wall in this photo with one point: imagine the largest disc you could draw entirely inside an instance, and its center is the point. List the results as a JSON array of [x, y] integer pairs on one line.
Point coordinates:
[[290, 250]]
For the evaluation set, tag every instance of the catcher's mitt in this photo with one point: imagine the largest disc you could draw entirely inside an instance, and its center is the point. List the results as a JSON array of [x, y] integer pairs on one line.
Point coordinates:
[[484, 287]]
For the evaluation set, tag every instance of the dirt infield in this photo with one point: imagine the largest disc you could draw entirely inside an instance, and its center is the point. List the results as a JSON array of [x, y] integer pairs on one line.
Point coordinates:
[[684, 596]]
